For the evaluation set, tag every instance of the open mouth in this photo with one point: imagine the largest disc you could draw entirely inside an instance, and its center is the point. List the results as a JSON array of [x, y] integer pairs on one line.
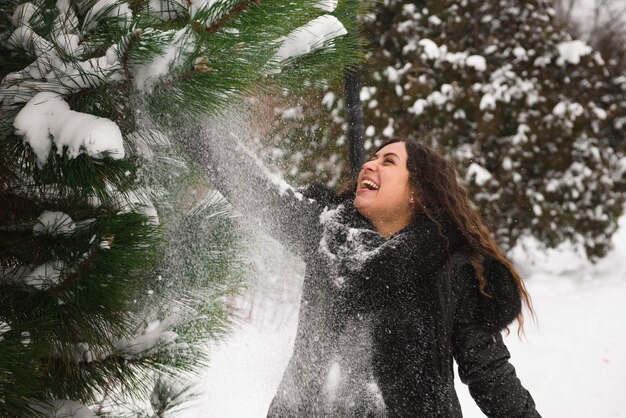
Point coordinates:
[[369, 185]]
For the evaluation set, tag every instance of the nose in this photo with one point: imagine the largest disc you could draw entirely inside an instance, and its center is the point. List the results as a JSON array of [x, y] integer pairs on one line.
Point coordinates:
[[369, 166]]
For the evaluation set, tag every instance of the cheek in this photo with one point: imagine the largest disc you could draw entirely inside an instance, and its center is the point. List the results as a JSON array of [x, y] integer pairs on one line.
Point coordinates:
[[394, 197], [401, 188]]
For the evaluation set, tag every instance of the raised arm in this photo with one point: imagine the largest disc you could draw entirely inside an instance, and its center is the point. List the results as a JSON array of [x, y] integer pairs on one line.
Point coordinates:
[[479, 350], [262, 197]]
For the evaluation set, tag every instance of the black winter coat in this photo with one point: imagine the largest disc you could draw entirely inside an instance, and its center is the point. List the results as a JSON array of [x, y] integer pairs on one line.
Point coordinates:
[[380, 320], [389, 316]]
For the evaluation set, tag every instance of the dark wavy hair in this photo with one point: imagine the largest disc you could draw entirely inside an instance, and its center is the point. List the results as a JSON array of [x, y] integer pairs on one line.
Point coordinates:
[[435, 180]]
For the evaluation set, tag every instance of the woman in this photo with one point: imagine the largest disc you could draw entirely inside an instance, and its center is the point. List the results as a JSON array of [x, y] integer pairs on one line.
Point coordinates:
[[402, 276]]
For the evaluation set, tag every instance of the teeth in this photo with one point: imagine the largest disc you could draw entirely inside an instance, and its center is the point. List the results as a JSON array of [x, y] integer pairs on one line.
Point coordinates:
[[368, 184]]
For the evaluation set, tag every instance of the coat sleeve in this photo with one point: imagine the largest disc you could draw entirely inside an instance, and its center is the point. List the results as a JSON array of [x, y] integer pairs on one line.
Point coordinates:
[[263, 198], [483, 364]]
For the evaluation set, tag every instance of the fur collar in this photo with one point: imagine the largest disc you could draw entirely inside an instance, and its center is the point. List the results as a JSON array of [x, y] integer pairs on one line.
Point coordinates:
[[354, 248], [352, 245]]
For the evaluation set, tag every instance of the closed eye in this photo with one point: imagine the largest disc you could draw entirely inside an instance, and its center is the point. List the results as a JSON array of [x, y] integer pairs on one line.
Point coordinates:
[[387, 158]]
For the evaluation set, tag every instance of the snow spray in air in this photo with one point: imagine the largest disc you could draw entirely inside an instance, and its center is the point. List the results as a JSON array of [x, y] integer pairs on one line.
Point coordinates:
[[339, 363], [219, 146]]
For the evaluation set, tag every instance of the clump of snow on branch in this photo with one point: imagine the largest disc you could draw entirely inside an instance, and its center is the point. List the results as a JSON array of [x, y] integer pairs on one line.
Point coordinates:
[[69, 43], [50, 73], [84, 353], [429, 48], [54, 223], [112, 9], [169, 393], [432, 51], [418, 107], [208, 11], [66, 23], [571, 51], [44, 276], [57, 66], [153, 337], [563, 109], [290, 113], [4, 327], [479, 173], [309, 37], [205, 12], [327, 5], [477, 62], [64, 408], [22, 14], [505, 85], [165, 10], [47, 118], [140, 201], [179, 44], [487, 102]]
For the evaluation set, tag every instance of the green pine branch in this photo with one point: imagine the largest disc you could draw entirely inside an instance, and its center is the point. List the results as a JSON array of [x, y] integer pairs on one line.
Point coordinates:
[[115, 272]]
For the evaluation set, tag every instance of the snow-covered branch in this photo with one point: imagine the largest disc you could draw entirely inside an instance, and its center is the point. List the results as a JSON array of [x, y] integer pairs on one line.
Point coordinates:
[[47, 119]]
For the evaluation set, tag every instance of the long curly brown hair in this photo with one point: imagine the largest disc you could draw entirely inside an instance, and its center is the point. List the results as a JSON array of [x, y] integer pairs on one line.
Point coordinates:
[[435, 181]]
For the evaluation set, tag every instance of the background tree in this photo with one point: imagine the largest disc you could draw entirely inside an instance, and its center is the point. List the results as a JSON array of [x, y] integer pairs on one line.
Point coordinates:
[[532, 117], [602, 24], [115, 255]]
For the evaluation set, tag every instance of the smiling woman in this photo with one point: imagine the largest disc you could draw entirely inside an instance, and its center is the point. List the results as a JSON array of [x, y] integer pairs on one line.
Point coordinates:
[[383, 194], [402, 279]]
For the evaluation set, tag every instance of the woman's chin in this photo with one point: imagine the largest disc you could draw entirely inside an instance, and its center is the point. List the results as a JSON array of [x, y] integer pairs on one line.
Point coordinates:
[[363, 205]]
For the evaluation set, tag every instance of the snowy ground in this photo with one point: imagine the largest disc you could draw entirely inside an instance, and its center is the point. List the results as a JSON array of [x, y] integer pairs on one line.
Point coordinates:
[[573, 362]]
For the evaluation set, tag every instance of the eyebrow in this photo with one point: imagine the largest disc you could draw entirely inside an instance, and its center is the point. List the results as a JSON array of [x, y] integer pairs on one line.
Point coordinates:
[[386, 155]]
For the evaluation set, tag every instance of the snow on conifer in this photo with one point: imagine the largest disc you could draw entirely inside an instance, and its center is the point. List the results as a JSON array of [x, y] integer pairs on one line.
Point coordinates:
[[47, 118], [115, 253]]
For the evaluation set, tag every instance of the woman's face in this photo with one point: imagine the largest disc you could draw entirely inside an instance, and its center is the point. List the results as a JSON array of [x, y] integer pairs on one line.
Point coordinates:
[[383, 192]]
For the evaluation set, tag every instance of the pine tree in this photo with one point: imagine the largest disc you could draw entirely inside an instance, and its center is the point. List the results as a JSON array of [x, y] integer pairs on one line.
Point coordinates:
[[115, 253], [532, 117]]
